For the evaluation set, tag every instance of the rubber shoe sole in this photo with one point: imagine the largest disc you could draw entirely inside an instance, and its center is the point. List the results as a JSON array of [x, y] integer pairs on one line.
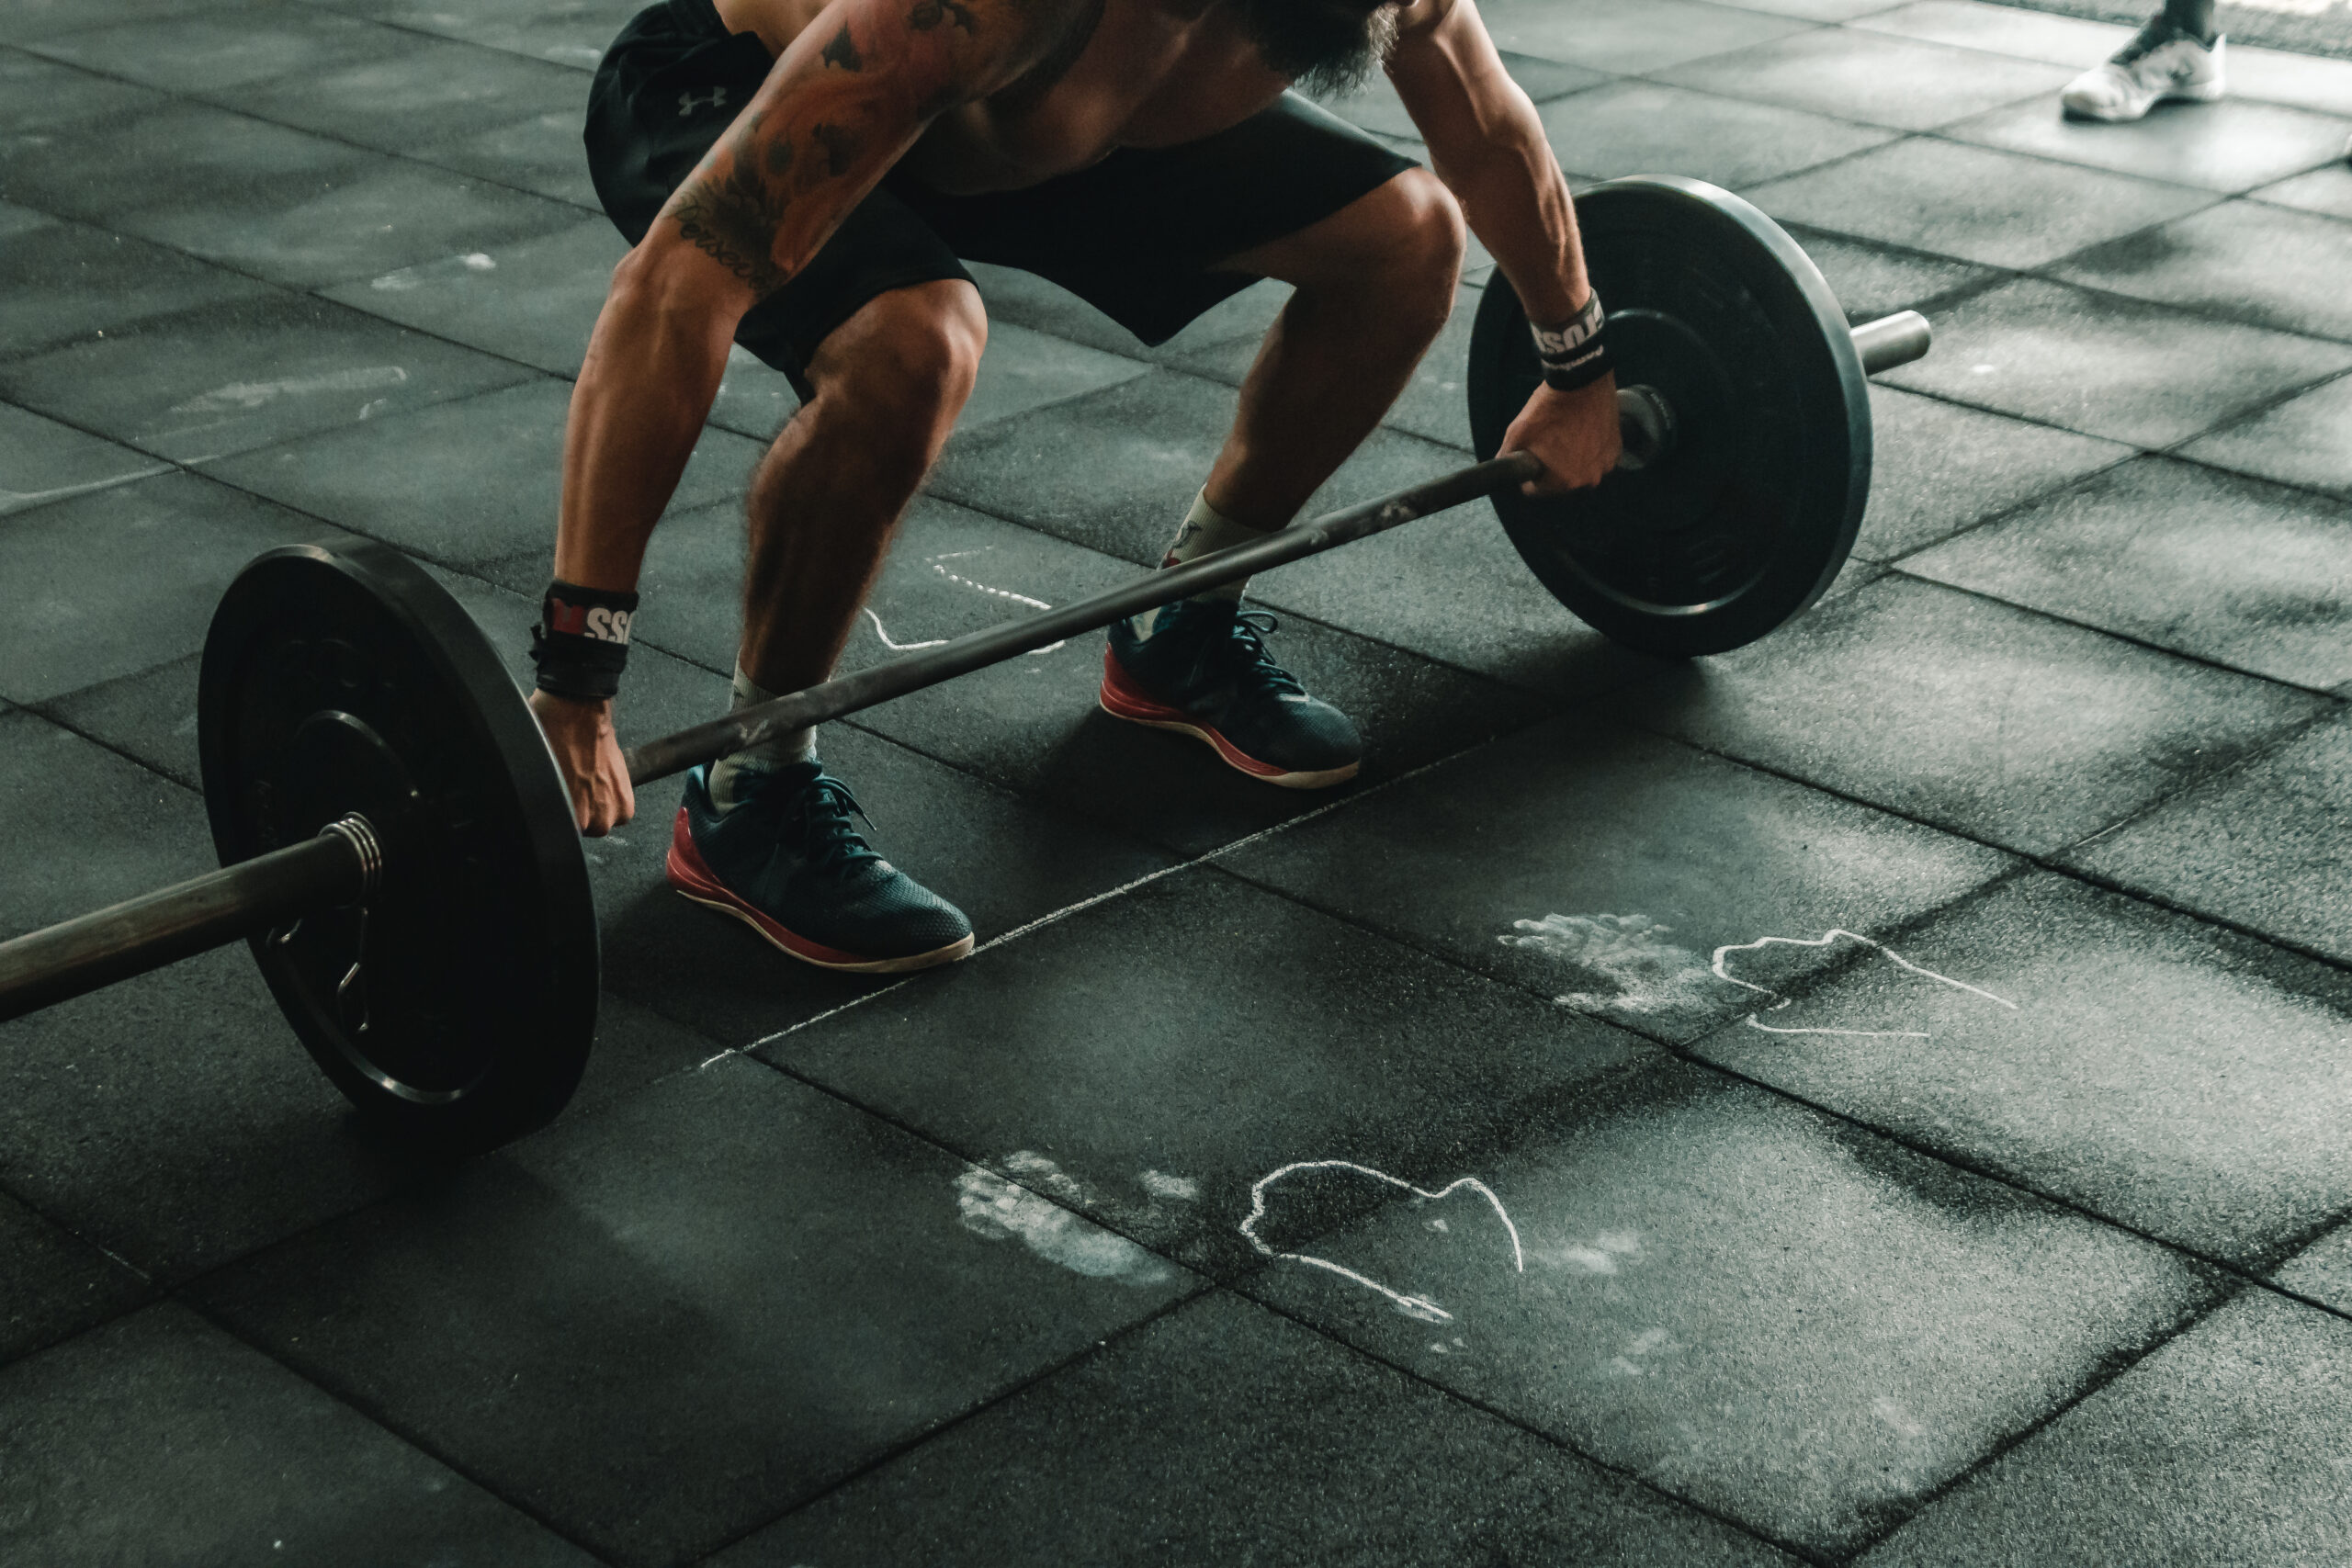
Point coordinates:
[[2129, 112], [1121, 700], [693, 878]]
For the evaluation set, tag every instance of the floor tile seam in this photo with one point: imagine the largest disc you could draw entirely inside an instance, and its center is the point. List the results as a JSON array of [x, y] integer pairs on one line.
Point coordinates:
[[1555, 705], [227, 107], [2204, 661], [1899, 132], [1548, 1438], [2055, 490], [2049, 273], [2052, 862], [2108, 1369], [369, 1411], [399, 26], [940, 1430]]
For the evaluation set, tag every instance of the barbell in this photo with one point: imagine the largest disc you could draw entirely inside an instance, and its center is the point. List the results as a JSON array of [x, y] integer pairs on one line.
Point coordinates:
[[400, 851]]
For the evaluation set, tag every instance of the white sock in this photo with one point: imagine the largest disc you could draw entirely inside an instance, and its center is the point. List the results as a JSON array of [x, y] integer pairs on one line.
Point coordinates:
[[1205, 529], [776, 752]]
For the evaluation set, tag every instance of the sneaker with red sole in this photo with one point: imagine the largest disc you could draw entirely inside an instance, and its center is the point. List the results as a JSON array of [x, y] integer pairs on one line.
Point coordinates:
[[1204, 671], [786, 861]]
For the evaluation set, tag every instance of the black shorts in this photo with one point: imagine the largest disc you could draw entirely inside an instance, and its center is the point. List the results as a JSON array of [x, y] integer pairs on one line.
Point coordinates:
[[1135, 235]]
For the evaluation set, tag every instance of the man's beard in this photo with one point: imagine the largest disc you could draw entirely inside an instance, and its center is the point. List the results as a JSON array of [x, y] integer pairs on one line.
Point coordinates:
[[1327, 47]]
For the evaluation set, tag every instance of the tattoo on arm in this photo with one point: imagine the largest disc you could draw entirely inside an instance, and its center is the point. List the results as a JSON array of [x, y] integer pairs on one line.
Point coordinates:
[[733, 219], [841, 147], [929, 14], [842, 51]]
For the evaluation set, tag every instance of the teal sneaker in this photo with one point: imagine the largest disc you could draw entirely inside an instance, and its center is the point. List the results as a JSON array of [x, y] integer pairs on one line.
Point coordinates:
[[1204, 672], [785, 861]]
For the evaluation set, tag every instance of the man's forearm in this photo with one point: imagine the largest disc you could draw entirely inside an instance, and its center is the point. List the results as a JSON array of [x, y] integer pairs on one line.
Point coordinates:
[[646, 388], [1516, 200]]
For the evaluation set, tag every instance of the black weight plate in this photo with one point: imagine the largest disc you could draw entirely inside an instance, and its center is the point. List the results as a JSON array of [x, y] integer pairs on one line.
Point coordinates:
[[1747, 521], [340, 679]]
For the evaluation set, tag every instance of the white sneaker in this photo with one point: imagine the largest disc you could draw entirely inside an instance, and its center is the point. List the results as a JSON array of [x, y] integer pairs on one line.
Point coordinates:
[[2161, 64]]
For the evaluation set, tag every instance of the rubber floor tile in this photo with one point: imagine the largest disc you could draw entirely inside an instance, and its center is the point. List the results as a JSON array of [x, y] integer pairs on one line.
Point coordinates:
[[726, 1295], [1374, 105], [2281, 76], [1028, 301], [465, 482], [2230, 570], [570, 32], [535, 300], [2228, 146], [389, 215], [2306, 440], [1115, 470], [1751, 1306], [452, 87], [1872, 280], [2265, 847], [1610, 865], [1938, 468], [177, 158], [125, 577], [1625, 36], [1023, 369], [537, 153], [23, 21], [1434, 403], [55, 787], [2181, 1081], [41, 100], [55, 462], [2323, 1271], [211, 53], [2243, 259], [53, 1284], [1099, 1062], [2108, 367], [2002, 30], [1971, 715], [1221, 1435], [1999, 208], [1869, 78], [2328, 191], [244, 374], [65, 281], [162, 1439], [1642, 128], [2227, 1445]]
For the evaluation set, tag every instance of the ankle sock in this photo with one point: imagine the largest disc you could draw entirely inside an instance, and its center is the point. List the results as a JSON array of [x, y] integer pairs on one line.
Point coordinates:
[[1205, 529], [769, 756]]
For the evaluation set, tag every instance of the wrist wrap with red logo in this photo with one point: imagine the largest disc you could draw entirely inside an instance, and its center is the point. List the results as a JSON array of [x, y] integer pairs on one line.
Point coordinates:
[[581, 644], [1574, 354]]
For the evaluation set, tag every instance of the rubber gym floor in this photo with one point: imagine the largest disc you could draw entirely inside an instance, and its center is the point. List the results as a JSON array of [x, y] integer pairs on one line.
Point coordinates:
[[2018, 1236]]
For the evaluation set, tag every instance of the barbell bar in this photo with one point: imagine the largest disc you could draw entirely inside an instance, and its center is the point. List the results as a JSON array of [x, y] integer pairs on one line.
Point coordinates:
[[400, 851]]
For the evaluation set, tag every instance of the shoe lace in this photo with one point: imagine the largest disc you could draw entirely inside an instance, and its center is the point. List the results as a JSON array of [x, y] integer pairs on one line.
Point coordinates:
[[818, 815], [1244, 656]]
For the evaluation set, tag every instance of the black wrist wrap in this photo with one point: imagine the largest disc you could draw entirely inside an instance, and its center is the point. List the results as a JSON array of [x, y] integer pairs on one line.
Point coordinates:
[[581, 644], [1577, 354]]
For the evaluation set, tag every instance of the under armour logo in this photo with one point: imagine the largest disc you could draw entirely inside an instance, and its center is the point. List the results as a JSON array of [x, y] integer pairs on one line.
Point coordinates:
[[717, 100]]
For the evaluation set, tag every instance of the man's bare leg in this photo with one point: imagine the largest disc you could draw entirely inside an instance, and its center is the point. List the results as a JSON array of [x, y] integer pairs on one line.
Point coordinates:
[[826, 499], [1376, 284]]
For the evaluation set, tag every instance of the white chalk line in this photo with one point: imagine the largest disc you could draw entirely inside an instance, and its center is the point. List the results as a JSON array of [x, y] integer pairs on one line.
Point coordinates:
[[24, 499], [900, 647], [1421, 1308], [1106, 895], [1824, 941], [977, 587]]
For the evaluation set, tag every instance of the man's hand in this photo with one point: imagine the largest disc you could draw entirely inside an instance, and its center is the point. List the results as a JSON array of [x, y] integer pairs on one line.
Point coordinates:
[[1572, 434], [589, 755]]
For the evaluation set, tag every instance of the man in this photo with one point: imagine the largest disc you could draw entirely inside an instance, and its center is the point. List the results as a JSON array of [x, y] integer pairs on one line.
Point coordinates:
[[803, 178]]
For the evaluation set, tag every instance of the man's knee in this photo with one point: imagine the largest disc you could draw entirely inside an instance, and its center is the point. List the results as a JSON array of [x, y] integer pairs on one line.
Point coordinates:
[[904, 363], [1418, 241]]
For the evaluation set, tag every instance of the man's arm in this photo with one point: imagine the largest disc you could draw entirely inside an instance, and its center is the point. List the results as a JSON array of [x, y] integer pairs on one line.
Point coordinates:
[[1488, 147], [843, 102]]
